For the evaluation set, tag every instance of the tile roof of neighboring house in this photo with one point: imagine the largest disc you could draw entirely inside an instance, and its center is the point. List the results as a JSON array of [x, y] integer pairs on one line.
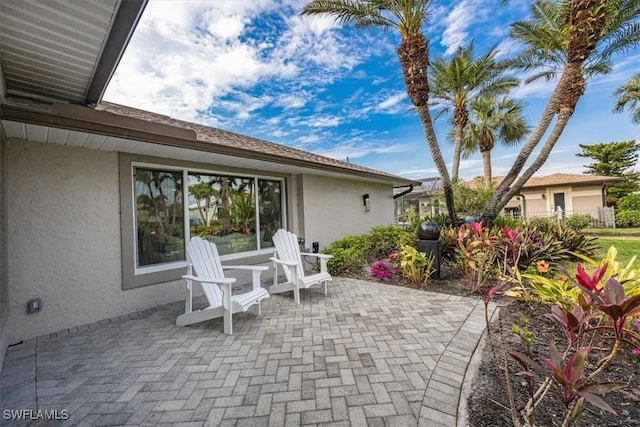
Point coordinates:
[[557, 179], [573, 179], [242, 142]]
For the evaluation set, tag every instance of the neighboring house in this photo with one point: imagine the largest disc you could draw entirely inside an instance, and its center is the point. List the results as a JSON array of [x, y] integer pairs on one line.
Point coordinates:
[[424, 199], [539, 197], [95, 197], [574, 194]]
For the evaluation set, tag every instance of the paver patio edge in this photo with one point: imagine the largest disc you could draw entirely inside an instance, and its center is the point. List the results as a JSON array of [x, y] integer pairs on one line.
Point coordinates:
[[442, 401], [471, 375]]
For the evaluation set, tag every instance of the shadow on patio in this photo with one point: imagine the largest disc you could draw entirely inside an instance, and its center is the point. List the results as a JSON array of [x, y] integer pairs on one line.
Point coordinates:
[[367, 353]]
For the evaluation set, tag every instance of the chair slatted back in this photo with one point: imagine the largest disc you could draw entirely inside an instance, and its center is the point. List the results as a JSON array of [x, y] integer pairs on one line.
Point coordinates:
[[203, 255], [288, 249]]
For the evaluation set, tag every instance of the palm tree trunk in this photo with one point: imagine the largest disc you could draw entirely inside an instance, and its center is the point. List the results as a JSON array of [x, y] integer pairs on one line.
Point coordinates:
[[586, 20], [549, 112], [457, 149], [486, 167], [413, 54], [573, 92]]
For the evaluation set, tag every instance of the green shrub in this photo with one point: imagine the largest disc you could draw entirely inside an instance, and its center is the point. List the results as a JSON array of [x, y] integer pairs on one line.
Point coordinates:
[[448, 239], [416, 266], [626, 219], [348, 254], [543, 224], [629, 203], [385, 239], [578, 222], [507, 221]]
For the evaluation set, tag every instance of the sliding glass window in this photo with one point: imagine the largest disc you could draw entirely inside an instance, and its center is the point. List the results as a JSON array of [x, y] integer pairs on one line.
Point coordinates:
[[218, 207], [159, 216]]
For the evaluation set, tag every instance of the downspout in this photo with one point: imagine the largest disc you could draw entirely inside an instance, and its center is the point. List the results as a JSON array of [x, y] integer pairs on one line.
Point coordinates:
[[403, 193]]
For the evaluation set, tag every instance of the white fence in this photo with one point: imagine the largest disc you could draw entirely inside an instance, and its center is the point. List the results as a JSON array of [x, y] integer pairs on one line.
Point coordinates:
[[600, 217]]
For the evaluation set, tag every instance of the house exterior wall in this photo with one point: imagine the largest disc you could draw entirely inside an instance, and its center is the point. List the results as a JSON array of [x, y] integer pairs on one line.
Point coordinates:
[[578, 199], [4, 283], [587, 204], [334, 208], [64, 240]]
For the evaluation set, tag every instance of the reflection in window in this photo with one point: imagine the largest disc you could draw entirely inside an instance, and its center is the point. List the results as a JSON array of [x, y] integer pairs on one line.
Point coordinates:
[[270, 206], [159, 216], [222, 210]]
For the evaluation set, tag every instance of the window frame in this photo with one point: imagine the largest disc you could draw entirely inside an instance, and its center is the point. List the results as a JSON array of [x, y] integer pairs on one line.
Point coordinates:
[[134, 276]]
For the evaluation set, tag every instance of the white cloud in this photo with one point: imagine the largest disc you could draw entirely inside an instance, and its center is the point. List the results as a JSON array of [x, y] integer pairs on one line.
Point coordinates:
[[357, 149], [291, 101], [391, 102], [457, 25], [308, 139], [185, 57], [321, 122]]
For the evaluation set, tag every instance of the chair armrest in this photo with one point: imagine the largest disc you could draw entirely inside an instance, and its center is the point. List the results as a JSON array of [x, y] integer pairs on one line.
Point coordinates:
[[321, 256], [245, 267], [221, 280], [280, 261]]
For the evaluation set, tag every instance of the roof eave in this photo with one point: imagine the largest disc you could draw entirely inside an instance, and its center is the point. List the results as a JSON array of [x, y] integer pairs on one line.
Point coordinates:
[[122, 28], [83, 119]]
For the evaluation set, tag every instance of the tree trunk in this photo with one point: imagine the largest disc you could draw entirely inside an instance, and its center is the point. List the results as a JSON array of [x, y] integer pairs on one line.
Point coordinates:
[[585, 20], [493, 207], [574, 88], [460, 119], [486, 167], [413, 54]]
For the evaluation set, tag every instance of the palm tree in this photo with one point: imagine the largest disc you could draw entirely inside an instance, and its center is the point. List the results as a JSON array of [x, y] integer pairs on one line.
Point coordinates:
[[407, 17], [629, 93], [493, 121], [460, 79], [572, 40]]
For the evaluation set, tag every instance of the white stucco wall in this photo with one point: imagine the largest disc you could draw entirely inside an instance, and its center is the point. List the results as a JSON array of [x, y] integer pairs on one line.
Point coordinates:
[[333, 208], [64, 240]]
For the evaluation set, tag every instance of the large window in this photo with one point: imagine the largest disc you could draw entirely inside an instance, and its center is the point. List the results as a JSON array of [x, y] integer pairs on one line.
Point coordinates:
[[172, 205], [159, 216]]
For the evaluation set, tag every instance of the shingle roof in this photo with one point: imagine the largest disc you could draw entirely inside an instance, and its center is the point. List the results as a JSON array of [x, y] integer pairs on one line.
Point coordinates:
[[243, 142]]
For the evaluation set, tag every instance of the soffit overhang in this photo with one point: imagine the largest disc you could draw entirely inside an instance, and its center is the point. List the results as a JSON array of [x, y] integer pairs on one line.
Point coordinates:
[[63, 50], [95, 129]]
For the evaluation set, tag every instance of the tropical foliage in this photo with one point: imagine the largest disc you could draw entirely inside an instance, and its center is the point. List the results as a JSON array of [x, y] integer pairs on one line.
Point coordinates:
[[614, 159], [629, 95], [407, 17], [459, 80], [572, 41]]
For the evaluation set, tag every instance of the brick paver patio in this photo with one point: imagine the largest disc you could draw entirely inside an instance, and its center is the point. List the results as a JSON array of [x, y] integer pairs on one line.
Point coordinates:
[[366, 354]]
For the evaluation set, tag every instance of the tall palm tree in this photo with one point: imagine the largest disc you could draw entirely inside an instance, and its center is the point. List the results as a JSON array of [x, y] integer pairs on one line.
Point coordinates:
[[572, 40], [493, 121], [407, 17], [458, 80], [629, 93]]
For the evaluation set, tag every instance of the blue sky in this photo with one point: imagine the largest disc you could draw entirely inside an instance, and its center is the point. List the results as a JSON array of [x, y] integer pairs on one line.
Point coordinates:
[[258, 68]]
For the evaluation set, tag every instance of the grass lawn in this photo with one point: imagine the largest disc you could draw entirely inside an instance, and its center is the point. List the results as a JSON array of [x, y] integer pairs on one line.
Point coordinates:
[[627, 247], [612, 231]]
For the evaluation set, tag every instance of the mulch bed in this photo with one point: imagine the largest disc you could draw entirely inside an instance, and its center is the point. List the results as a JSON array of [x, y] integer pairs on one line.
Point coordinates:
[[488, 404]]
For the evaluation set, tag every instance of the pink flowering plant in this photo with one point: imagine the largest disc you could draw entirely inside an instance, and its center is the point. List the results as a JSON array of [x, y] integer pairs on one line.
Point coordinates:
[[382, 270]]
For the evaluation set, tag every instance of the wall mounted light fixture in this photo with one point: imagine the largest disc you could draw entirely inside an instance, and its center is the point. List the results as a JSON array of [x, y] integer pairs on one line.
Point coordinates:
[[366, 201], [544, 196]]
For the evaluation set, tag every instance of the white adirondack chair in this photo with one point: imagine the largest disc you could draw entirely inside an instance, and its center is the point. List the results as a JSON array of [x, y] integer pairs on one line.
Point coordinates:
[[288, 255], [205, 268]]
